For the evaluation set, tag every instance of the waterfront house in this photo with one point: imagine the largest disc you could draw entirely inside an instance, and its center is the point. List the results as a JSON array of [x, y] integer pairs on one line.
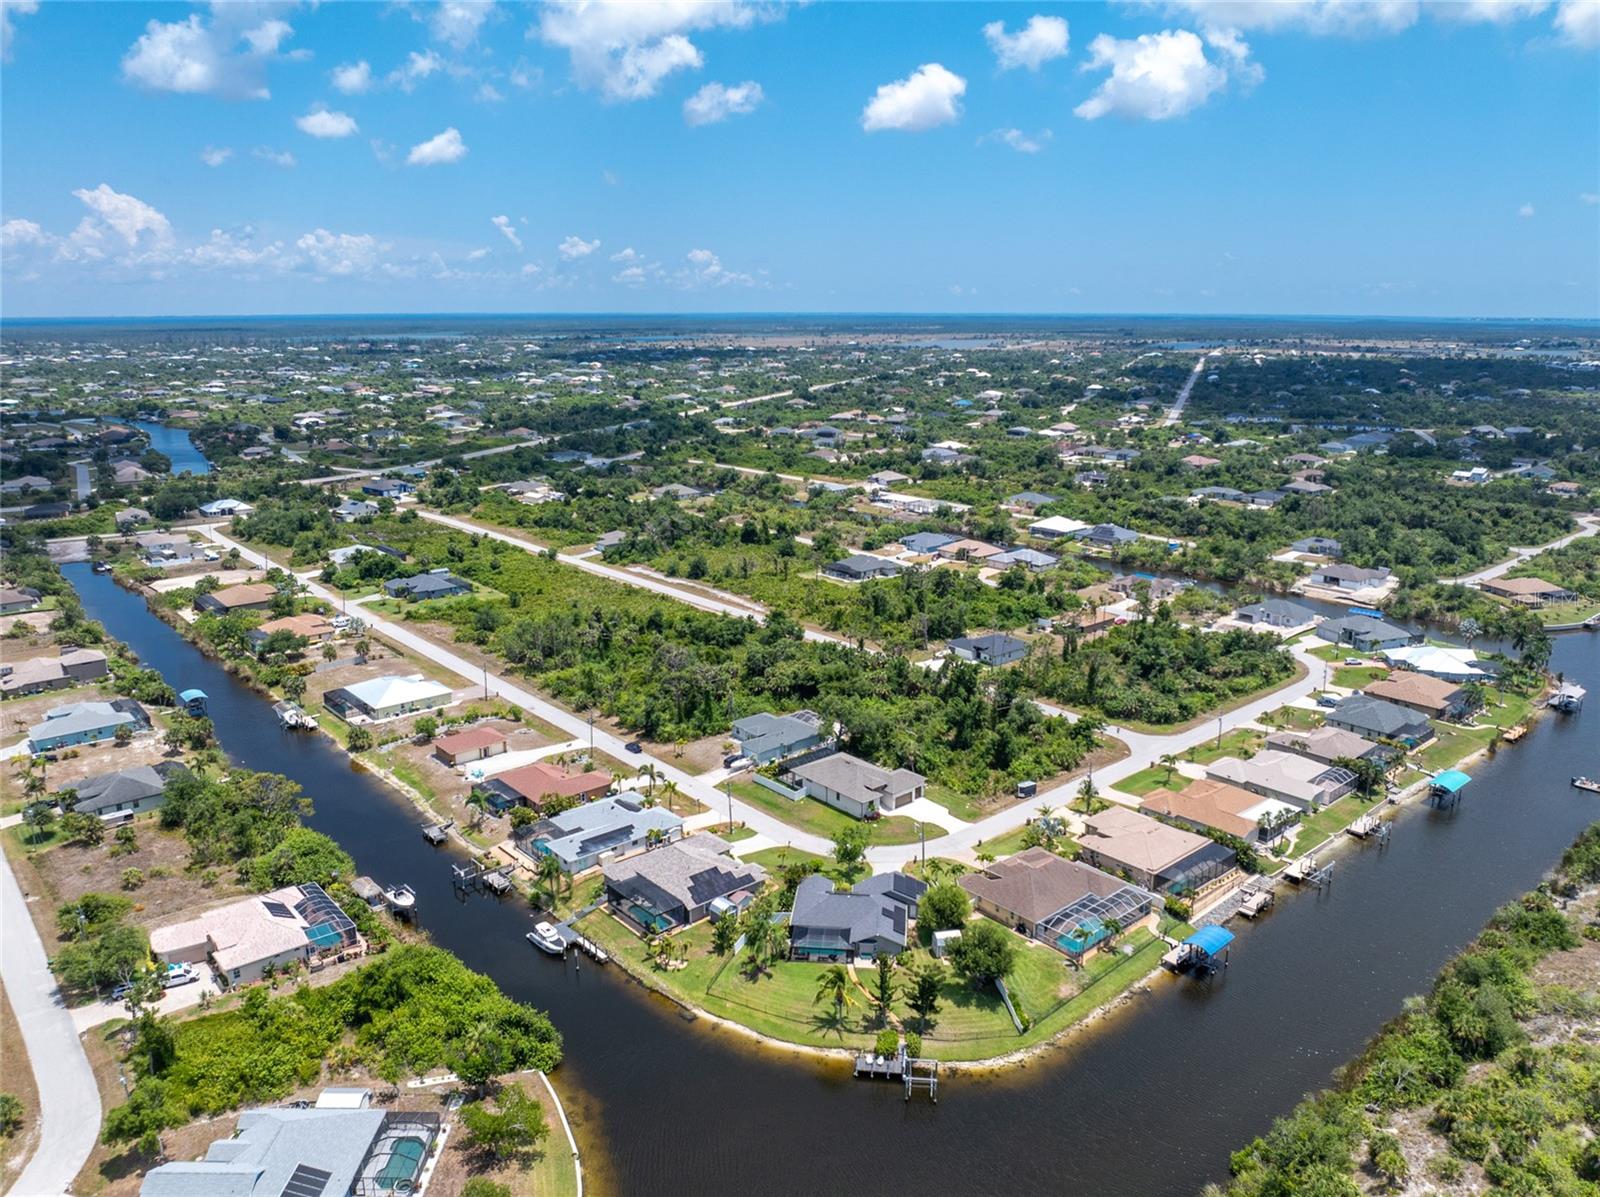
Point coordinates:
[[1426, 695], [538, 783], [125, 791], [14, 599], [860, 567], [1106, 536], [37, 674], [849, 925], [436, 583], [857, 787], [1304, 783], [85, 723], [1153, 855], [596, 832], [326, 1151], [473, 744], [1275, 613], [1365, 634], [387, 697], [1528, 592], [1328, 745], [766, 737], [678, 884], [1349, 577], [1062, 903], [249, 596], [993, 649], [1375, 719], [244, 939], [1447, 664], [1219, 806]]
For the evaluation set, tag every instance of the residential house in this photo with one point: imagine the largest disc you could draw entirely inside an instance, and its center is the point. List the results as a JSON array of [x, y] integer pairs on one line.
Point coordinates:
[[596, 832], [1031, 559], [766, 737], [1304, 486], [1275, 613], [1365, 634], [387, 697], [1426, 695], [471, 744], [857, 924], [539, 783], [860, 567], [1376, 719], [351, 510], [1322, 546], [1029, 500], [225, 508], [131, 517], [923, 543], [249, 596], [993, 649], [14, 599], [1529, 592], [967, 549], [1106, 536], [1448, 664], [38, 674], [308, 626], [1153, 855], [1199, 461], [85, 723], [1349, 577], [322, 1152], [244, 940], [888, 479], [858, 787], [1219, 494], [676, 885], [1209, 804], [1302, 782], [387, 488], [125, 791], [1328, 745], [1063, 903], [1265, 498], [435, 584], [1055, 527]]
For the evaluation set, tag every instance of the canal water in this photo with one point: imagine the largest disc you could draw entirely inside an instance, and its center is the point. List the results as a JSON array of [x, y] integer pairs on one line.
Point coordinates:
[[177, 444], [1147, 1104]]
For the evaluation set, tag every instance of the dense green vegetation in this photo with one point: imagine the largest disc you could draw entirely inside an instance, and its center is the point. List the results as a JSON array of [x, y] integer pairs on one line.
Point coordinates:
[[1577, 567], [1516, 1104], [411, 1011]]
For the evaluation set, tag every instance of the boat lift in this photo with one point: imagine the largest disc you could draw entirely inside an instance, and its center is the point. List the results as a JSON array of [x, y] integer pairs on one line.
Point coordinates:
[[1203, 953], [1445, 788], [194, 701], [1568, 699]]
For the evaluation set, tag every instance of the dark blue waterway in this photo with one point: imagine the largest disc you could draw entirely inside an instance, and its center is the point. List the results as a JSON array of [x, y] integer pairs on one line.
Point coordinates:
[[179, 447], [1148, 1105]]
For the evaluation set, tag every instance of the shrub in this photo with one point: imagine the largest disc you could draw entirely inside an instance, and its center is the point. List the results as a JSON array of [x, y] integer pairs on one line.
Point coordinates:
[[913, 1044], [945, 907], [887, 1043]]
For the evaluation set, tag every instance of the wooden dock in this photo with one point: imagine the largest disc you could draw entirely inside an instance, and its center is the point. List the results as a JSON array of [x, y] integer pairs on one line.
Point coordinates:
[[437, 833], [1256, 902], [915, 1072]]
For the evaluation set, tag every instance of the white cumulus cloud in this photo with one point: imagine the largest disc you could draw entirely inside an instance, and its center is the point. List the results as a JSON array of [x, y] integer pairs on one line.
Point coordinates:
[[576, 247], [1022, 142], [128, 217], [1578, 23], [266, 153], [1157, 76], [1036, 43], [352, 78], [438, 150], [417, 67], [717, 102], [507, 230], [930, 96], [625, 48], [456, 22], [340, 253], [324, 122], [1347, 18], [706, 269], [215, 155], [222, 54]]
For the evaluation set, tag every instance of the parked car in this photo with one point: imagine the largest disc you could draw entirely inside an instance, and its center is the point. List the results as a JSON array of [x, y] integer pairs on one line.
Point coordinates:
[[1327, 700], [121, 991], [1354, 661], [634, 746], [736, 760], [340, 622], [180, 974]]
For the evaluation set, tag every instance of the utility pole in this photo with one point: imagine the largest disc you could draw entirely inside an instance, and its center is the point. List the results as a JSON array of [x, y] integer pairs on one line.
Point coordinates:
[[1219, 731], [591, 738], [727, 788]]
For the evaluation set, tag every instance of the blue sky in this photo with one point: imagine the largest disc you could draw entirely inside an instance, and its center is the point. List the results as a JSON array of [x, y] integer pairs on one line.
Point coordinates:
[[1244, 156]]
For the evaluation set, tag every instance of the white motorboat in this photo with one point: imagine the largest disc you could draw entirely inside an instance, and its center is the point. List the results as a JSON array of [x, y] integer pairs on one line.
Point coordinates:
[[548, 939]]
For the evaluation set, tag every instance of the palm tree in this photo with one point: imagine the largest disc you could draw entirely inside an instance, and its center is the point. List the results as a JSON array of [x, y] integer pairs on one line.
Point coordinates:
[[550, 875], [669, 791], [648, 770], [835, 985]]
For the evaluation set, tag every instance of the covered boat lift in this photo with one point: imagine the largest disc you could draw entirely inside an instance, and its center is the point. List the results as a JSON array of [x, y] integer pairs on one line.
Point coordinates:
[[1445, 788], [194, 701], [1203, 953]]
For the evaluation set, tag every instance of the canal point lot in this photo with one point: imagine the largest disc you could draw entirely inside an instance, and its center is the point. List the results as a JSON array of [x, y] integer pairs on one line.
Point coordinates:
[[972, 1024]]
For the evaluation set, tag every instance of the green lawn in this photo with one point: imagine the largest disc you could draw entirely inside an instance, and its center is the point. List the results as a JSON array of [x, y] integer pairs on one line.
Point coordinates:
[[1354, 677], [962, 806], [1329, 821], [1568, 612], [807, 814], [1011, 842], [1241, 741], [739, 832], [970, 1025], [1451, 745], [1334, 652], [1156, 777], [1298, 718], [1505, 710]]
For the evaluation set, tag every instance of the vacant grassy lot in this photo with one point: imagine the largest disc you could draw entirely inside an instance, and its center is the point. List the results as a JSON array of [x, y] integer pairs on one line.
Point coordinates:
[[1156, 777], [1329, 821]]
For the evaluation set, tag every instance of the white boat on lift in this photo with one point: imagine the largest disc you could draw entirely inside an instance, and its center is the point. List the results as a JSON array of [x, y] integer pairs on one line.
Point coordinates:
[[402, 899], [548, 938]]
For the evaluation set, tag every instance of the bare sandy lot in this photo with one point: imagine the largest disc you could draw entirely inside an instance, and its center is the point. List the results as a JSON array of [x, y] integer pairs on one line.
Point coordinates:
[[224, 577]]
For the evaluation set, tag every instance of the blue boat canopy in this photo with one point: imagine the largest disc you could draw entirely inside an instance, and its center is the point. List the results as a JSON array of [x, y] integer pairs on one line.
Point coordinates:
[[192, 695], [1210, 940], [1450, 781]]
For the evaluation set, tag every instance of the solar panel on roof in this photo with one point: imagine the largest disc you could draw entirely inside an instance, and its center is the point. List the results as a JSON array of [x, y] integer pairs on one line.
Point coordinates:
[[278, 910], [306, 1182]]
